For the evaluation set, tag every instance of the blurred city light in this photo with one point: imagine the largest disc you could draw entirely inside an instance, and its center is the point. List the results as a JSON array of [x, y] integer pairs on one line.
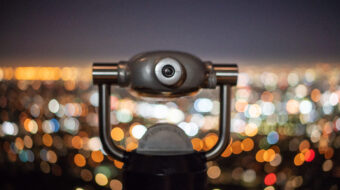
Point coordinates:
[[284, 122]]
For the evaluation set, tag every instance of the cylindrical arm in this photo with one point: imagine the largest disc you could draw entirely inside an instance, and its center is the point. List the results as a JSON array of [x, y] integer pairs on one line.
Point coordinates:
[[105, 125], [226, 73], [105, 73], [111, 73], [224, 130]]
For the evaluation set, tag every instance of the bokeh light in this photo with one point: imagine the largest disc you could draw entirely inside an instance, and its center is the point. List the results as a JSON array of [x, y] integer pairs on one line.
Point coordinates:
[[285, 125], [270, 179]]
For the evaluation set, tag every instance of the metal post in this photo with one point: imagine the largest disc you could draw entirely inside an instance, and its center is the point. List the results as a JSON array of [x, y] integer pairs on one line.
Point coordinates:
[[224, 130], [105, 125]]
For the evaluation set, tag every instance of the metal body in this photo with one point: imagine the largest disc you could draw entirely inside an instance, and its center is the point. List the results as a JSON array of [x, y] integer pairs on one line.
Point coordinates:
[[173, 165], [139, 74]]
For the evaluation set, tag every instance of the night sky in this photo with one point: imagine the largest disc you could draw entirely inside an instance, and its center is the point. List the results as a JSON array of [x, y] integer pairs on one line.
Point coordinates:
[[64, 32]]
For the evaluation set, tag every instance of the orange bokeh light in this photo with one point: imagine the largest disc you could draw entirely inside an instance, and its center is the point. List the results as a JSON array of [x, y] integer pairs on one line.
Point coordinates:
[[304, 146], [197, 144], [247, 144], [315, 95], [47, 140], [236, 147], [79, 160], [97, 156], [227, 152], [77, 142], [269, 155], [299, 159], [259, 155], [118, 164], [209, 141], [117, 134]]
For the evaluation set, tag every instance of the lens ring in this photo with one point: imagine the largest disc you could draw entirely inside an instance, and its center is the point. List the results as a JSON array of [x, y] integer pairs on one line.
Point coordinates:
[[169, 71]]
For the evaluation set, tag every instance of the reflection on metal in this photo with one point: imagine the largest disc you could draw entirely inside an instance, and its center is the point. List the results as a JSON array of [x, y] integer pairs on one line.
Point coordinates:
[[105, 124], [224, 130], [226, 73]]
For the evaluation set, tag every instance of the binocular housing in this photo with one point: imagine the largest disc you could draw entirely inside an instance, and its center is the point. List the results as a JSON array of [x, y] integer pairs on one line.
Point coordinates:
[[165, 74]]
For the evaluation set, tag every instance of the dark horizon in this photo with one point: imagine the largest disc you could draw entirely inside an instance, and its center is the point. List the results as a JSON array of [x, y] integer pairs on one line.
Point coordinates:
[[82, 31]]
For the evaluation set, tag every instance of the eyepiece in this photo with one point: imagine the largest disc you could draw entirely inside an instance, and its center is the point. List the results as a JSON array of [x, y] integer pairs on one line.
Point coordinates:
[[169, 72]]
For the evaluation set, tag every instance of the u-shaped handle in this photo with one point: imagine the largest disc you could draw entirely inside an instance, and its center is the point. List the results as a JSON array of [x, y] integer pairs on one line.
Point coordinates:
[[224, 129], [112, 150], [105, 123]]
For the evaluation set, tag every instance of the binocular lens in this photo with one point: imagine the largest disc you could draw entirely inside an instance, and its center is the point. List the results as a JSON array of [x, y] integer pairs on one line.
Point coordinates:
[[168, 71]]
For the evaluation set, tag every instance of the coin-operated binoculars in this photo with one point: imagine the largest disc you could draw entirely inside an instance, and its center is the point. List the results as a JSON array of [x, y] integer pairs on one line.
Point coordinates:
[[164, 158]]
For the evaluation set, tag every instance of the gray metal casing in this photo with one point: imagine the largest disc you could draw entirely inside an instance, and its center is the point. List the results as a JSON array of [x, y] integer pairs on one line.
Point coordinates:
[[144, 80]]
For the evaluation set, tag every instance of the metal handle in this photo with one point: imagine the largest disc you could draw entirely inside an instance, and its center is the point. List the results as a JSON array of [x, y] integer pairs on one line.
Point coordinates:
[[226, 76], [112, 150], [111, 73], [224, 129], [226, 73], [105, 124]]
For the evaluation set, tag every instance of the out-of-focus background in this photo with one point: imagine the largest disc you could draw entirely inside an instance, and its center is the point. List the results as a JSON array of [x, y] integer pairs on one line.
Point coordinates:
[[286, 105], [285, 128]]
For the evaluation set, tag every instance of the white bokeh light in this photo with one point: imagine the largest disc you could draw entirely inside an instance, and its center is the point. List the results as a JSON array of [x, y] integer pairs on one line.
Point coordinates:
[[203, 105], [306, 107], [138, 131], [191, 129], [53, 106]]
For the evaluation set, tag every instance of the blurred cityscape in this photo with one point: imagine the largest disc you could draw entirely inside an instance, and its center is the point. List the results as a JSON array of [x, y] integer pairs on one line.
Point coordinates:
[[285, 128]]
